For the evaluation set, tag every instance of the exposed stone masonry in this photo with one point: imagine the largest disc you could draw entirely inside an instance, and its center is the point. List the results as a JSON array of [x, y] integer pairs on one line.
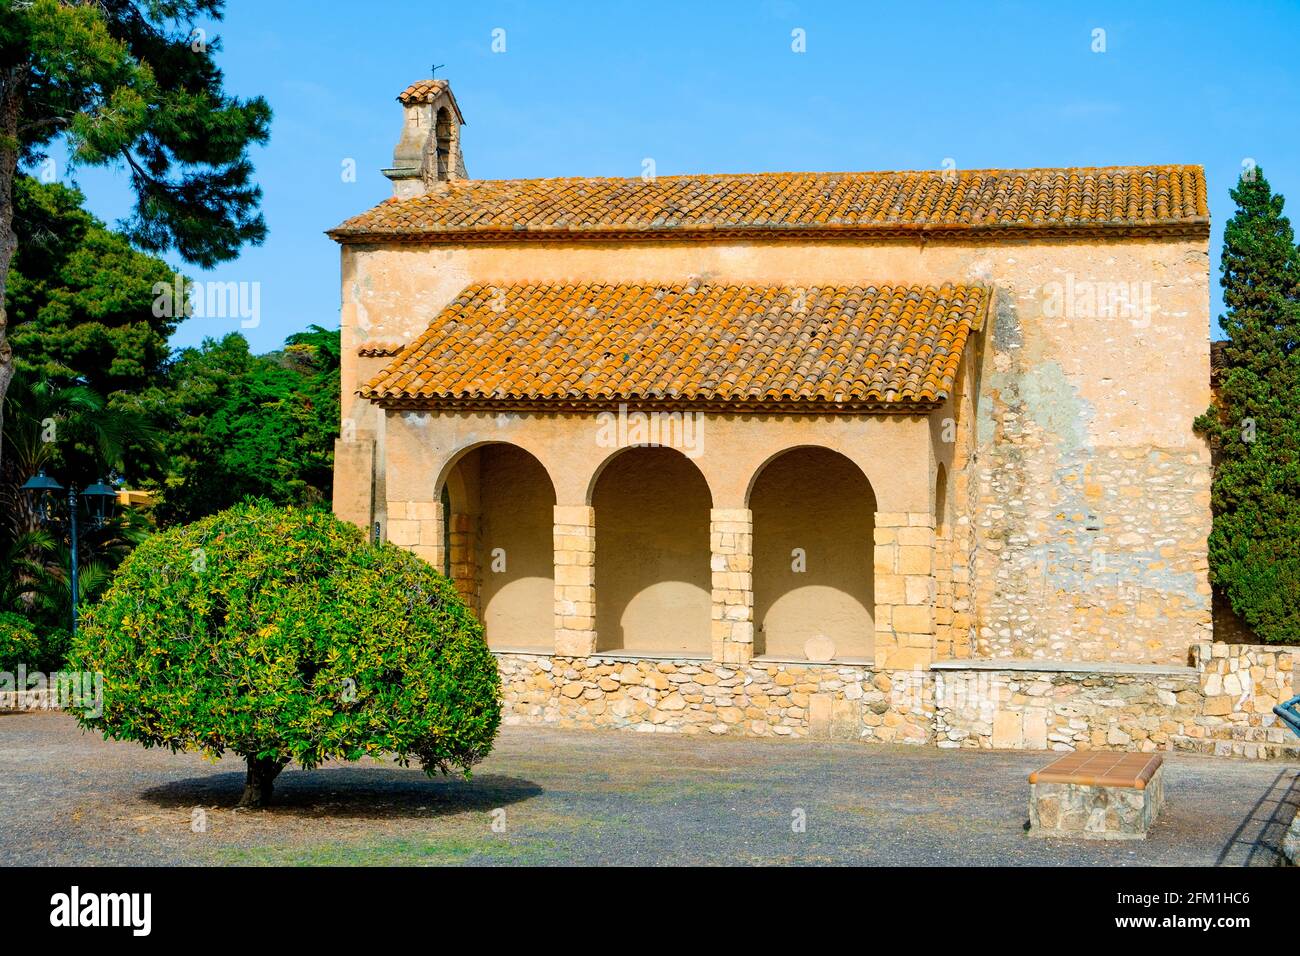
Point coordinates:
[[465, 547], [687, 696], [905, 590], [1095, 560], [1147, 710], [1240, 685], [1043, 710], [1085, 551]]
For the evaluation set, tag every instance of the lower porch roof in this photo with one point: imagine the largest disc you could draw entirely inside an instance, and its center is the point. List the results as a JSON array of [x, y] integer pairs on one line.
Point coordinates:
[[885, 348]]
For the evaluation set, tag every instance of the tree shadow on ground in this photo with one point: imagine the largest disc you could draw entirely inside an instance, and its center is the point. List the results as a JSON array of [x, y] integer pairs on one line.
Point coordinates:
[[1257, 840], [352, 792]]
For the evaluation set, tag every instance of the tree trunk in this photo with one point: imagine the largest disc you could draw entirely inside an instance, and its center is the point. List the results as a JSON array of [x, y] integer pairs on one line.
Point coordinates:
[[10, 104], [260, 781]]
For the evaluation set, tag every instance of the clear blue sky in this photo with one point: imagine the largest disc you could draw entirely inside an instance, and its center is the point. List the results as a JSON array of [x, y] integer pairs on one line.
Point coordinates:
[[587, 89]]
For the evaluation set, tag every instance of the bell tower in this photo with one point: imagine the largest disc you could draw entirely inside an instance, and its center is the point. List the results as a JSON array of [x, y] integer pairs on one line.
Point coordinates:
[[428, 151]]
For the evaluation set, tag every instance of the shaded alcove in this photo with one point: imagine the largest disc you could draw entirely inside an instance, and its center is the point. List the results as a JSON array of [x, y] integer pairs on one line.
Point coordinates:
[[500, 507], [814, 529], [652, 554]]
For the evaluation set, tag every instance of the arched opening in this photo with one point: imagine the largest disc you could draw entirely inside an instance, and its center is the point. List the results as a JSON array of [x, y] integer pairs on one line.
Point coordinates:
[[652, 554], [814, 527], [442, 139], [501, 507]]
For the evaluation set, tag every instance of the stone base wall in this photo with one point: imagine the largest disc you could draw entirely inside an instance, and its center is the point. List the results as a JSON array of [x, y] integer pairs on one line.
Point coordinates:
[[1240, 684], [971, 705], [757, 699], [1082, 710]]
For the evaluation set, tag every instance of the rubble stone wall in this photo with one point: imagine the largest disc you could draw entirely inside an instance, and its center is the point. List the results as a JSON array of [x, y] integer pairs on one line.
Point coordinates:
[[1221, 704]]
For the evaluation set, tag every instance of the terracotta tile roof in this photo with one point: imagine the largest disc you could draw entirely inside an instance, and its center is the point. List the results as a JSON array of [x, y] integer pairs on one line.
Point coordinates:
[[421, 91], [732, 346], [1140, 200], [426, 91]]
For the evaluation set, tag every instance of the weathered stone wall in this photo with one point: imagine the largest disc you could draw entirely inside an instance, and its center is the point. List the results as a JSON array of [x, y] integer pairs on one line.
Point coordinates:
[[1222, 704], [1092, 509], [1061, 707], [1064, 710], [1239, 685], [1089, 556]]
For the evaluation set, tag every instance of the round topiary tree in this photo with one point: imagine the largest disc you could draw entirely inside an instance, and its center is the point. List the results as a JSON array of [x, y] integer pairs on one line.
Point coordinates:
[[283, 635]]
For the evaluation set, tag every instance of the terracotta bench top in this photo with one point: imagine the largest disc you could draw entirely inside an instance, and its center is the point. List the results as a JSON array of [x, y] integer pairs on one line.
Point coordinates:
[[1095, 769]]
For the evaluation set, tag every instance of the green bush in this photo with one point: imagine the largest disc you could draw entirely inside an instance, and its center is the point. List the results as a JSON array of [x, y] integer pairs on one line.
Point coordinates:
[[281, 635], [19, 643]]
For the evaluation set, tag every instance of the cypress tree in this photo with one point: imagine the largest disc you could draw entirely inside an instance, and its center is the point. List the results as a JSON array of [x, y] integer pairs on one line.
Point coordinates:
[[1254, 424]]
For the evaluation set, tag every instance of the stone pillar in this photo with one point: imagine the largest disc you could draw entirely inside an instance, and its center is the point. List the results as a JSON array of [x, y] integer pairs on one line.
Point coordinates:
[[354, 471], [731, 540], [575, 580], [417, 527], [905, 590], [464, 546]]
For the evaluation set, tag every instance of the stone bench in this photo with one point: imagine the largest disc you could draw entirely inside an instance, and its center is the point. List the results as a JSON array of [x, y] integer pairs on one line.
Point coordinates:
[[1098, 796]]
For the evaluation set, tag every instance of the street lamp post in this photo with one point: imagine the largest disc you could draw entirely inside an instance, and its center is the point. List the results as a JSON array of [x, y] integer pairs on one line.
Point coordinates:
[[100, 497]]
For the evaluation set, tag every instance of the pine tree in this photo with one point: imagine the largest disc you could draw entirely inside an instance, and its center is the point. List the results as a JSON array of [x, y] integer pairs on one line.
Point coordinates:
[[1255, 422], [80, 297], [132, 85]]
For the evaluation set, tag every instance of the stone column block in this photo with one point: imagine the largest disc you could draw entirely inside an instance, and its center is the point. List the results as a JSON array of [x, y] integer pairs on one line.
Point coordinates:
[[575, 580], [906, 590], [731, 541]]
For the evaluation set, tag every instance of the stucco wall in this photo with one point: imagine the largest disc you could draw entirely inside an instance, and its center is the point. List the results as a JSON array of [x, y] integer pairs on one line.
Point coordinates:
[[1085, 491], [730, 451]]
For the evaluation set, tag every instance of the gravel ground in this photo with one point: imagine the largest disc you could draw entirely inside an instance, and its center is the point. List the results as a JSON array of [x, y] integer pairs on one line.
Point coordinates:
[[561, 797]]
